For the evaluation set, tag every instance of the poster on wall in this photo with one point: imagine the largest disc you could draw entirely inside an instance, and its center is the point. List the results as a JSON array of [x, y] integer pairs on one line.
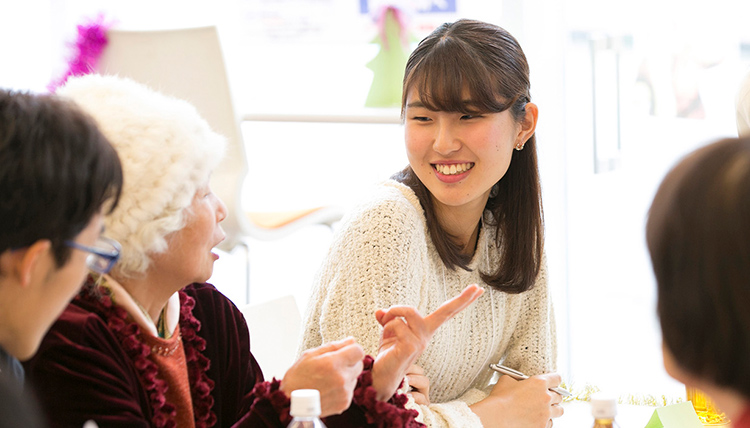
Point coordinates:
[[428, 6], [336, 21], [423, 15]]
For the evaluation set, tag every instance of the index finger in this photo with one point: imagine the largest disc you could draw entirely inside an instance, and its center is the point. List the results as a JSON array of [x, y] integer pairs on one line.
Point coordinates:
[[552, 379], [453, 306]]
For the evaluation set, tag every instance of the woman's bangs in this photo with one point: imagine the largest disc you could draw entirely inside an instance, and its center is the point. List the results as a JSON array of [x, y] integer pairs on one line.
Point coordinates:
[[449, 81]]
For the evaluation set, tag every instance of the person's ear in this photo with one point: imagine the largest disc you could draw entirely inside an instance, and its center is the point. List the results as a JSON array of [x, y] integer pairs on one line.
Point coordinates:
[[30, 259], [528, 124]]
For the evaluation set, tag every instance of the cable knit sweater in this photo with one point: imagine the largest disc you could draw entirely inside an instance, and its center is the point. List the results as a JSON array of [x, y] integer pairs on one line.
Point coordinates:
[[382, 255]]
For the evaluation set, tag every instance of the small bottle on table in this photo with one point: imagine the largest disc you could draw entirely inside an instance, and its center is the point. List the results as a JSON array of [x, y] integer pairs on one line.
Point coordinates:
[[604, 410]]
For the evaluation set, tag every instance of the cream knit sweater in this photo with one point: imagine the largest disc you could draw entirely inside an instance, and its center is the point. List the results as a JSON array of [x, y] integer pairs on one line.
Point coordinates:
[[382, 255]]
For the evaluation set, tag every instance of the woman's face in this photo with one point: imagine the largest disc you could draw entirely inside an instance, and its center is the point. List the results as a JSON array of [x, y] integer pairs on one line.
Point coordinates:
[[190, 256], [459, 157]]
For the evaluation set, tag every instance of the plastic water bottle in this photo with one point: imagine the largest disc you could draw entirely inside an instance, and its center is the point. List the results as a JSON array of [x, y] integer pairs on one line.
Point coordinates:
[[305, 409]]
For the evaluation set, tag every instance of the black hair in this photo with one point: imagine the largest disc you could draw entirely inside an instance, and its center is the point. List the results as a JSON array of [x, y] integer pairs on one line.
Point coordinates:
[[57, 171]]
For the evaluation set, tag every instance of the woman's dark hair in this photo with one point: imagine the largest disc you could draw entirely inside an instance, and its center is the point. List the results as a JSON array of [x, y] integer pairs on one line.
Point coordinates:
[[56, 171], [698, 235], [488, 62]]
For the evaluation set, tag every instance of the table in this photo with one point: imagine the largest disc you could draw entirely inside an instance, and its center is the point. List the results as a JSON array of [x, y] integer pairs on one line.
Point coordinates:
[[578, 415]]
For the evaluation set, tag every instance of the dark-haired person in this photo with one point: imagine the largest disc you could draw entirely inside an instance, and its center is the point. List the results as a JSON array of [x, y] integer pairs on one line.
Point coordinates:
[[56, 173], [466, 210], [698, 235]]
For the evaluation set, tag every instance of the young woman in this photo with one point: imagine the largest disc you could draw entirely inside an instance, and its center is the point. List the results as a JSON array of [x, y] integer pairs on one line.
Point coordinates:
[[467, 209], [153, 345], [698, 235]]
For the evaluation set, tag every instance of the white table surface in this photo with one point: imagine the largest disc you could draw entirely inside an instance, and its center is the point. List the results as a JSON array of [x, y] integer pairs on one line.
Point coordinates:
[[578, 415]]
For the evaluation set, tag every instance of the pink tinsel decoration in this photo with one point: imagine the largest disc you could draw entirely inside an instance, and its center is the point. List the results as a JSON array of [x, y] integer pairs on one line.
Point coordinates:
[[92, 39]]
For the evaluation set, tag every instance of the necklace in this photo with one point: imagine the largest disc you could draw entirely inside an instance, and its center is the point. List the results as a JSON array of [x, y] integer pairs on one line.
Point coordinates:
[[161, 324]]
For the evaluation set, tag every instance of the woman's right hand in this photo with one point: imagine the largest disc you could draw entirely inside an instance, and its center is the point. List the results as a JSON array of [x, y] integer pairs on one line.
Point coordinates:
[[406, 334], [332, 369], [419, 384], [525, 403]]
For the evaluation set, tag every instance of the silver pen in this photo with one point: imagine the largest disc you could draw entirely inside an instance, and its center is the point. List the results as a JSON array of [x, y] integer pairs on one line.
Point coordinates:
[[515, 374]]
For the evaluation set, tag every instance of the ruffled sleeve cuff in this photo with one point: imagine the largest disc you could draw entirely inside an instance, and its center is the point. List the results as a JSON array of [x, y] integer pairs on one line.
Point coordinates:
[[270, 402], [391, 413], [366, 410]]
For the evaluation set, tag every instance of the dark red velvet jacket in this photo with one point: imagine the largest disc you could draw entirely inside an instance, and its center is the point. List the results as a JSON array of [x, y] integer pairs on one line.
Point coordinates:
[[83, 371]]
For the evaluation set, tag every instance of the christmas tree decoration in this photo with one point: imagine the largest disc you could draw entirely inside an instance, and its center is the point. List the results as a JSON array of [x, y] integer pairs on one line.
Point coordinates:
[[388, 65]]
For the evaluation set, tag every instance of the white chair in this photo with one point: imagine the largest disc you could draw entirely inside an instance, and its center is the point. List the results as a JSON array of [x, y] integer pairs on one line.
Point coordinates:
[[743, 107], [188, 63], [274, 332]]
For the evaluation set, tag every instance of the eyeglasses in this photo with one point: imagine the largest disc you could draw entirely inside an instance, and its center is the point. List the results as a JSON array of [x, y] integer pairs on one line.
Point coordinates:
[[104, 254]]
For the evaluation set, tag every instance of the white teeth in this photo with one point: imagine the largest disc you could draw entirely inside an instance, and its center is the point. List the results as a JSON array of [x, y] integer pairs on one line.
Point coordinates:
[[454, 168]]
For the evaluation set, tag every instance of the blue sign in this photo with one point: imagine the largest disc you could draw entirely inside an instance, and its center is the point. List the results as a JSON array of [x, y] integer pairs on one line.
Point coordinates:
[[435, 6]]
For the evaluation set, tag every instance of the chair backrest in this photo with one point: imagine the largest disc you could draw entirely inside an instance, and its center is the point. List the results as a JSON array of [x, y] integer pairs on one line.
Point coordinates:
[[743, 107], [187, 63], [275, 328]]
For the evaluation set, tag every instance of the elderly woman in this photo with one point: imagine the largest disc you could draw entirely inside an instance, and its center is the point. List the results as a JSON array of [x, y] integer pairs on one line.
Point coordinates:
[[151, 344]]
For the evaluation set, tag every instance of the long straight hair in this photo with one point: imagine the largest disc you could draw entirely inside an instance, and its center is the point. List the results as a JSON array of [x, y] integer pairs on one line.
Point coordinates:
[[488, 62]]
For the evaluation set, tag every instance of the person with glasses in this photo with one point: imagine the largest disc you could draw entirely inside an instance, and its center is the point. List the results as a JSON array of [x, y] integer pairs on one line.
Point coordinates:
[[102, 255], [151, 344], [58, 176]]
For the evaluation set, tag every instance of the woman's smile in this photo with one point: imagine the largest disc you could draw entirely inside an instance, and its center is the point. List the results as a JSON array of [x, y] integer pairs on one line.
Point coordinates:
[[452, 172]]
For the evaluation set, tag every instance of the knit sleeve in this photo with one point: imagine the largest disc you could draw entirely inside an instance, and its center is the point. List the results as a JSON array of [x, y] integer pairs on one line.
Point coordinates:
[[533, 346], [456, 413], [370, 266]]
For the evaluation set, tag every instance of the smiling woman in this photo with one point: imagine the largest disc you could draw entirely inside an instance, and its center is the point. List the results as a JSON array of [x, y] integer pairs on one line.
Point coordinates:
[[466, 209]]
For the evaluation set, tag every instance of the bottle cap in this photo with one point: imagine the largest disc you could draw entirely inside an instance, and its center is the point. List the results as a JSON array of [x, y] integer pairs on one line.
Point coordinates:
[[305, 403], [603, 406]]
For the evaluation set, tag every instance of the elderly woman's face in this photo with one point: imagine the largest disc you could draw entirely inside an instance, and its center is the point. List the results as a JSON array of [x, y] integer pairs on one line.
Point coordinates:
[[190, 256]]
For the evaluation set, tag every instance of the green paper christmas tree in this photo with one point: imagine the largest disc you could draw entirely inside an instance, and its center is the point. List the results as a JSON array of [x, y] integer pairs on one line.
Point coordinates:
[[388, 65]]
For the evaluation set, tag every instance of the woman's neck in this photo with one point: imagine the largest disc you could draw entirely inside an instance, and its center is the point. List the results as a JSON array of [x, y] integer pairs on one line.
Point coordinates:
[[462, 223], [148, 293]]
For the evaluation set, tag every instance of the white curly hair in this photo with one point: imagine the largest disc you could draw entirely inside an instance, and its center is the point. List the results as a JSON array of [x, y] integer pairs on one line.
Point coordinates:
[[167, 152]]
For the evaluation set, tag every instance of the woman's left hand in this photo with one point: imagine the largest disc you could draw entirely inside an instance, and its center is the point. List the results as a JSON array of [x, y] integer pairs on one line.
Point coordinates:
[[419, 385], [405, 336]]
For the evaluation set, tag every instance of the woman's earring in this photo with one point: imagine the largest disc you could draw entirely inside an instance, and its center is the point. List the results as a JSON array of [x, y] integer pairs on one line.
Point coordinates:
[[519, 147]]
